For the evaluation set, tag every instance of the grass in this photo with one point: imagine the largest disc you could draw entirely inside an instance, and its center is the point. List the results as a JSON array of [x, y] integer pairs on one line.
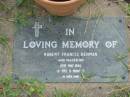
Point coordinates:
[[21, 19], [129, 50], [121, 92], [3, 7], [15, 88], [91, 1], [63, 93], [128, 9], [6, 52], [20, 12], [86, 76], [66, 93], [4, 40], [120, 58], [28, 6], [125, 7], [20, 2]]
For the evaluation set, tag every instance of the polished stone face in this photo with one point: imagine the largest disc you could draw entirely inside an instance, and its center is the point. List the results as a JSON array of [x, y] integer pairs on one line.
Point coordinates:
[[70, 49]]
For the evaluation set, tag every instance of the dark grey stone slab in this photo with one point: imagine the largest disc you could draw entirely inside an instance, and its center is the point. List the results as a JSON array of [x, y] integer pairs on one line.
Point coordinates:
[[80, 55]]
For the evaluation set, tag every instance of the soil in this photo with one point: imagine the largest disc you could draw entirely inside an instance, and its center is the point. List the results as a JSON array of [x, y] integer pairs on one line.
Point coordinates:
[[102, 7]]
